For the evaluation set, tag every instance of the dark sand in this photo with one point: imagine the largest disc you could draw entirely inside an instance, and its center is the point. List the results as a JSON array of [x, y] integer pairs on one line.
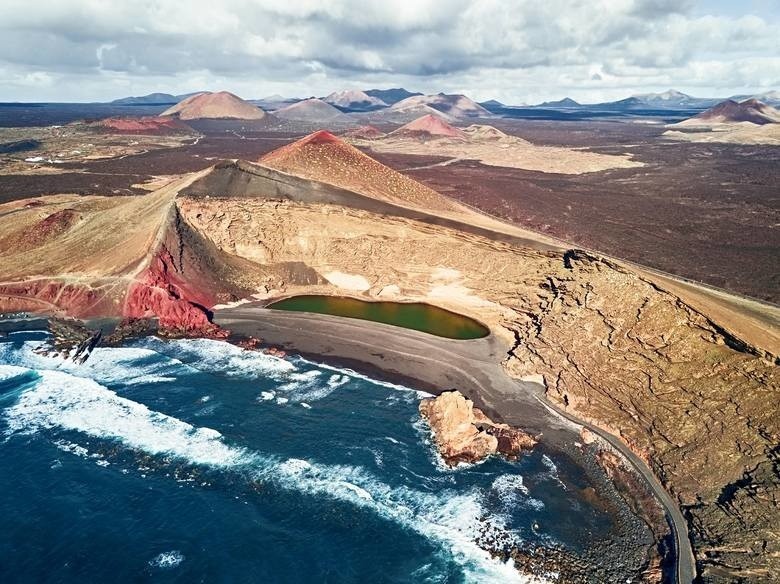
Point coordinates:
[[397, 354]]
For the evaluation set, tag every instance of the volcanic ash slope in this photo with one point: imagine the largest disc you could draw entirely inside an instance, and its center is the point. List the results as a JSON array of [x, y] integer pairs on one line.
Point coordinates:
[[220, 105], [325, 158]]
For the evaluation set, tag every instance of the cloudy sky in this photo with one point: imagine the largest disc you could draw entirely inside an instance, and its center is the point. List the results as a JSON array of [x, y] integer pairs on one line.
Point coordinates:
[[513, 50]]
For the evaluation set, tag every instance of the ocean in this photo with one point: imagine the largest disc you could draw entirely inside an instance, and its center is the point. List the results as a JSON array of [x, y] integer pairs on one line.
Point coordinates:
[[197, 461]]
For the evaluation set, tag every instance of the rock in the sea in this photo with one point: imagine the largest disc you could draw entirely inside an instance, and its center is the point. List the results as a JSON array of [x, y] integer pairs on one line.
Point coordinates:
[[464, 433]]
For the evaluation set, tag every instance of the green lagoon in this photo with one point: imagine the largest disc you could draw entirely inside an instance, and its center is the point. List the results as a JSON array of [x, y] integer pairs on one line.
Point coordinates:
[[416, 315]]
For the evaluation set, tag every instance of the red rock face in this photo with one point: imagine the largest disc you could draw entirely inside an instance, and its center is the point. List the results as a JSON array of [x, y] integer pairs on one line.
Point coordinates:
[[144, 125], [160, 292]]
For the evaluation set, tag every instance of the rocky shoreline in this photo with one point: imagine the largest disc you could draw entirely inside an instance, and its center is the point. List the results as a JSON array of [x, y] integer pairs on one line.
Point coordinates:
[[637, 545], [606, 559]]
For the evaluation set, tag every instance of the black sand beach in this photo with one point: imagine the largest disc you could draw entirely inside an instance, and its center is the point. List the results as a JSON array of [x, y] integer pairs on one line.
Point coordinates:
[[436, 364]]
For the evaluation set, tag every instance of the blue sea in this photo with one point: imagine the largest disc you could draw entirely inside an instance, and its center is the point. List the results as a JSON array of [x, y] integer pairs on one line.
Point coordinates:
[[197, 461]]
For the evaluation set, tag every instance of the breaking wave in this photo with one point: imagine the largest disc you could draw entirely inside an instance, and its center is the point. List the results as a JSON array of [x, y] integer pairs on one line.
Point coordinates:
[[61, 401], [167, 560]]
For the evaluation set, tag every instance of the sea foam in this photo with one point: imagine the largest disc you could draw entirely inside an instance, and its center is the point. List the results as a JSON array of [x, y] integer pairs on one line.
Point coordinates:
[[67, 399], [167, 560], [63, 401], [456, 521]]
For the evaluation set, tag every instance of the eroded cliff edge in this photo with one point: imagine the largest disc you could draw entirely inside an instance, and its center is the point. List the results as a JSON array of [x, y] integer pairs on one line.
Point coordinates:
[[699, 405]]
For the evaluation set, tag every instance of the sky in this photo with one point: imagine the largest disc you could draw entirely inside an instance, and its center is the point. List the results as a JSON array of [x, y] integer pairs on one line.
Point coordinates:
[[516, 51]]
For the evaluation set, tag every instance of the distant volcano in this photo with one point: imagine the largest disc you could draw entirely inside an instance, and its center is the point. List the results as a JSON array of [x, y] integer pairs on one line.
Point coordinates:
[[429, 126], [220, 105], [456, 106], [364, 133], [354, 99], [565, 102], [729, 112], [323, 157], [391, 96], [156, 125], [310, 110]]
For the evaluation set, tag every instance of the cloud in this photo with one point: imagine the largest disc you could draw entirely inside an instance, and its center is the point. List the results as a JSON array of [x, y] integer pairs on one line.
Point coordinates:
[[307, 46]]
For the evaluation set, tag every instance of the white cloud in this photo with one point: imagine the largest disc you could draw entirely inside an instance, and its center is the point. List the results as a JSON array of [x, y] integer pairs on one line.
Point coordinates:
[[515, 51]]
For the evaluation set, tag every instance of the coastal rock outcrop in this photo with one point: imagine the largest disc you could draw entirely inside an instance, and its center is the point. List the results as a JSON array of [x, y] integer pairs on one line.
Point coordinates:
[[464, 433]]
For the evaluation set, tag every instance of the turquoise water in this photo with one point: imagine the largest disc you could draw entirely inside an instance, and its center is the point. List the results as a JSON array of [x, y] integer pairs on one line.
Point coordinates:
[[196, 461]]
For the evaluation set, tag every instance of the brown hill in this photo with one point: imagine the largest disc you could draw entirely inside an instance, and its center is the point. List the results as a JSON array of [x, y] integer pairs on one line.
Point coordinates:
[[112, 256], [310, 110], [429, 126], [729, 111], [220, 105], [457, 106], [364, 133], [323, 157]]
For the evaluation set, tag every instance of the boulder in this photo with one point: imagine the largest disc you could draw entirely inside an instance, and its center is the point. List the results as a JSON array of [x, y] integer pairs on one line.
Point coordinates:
[[464, 433]]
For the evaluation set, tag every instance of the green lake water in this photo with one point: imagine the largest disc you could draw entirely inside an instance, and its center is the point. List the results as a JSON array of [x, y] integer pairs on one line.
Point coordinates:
[[417, 316]]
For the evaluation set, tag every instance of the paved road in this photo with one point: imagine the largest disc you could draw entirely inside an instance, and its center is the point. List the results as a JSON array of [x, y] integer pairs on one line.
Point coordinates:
[[436, 363], [686, 570]]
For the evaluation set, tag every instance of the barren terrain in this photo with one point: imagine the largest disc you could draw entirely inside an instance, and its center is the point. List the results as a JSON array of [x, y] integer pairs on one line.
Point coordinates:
[[612, 346], [78, 144], [492, 147], [739, 133], [708, 212]]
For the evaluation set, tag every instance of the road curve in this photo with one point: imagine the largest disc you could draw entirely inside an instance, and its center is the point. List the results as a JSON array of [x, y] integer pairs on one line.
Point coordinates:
[[686, 570], [473, 366]]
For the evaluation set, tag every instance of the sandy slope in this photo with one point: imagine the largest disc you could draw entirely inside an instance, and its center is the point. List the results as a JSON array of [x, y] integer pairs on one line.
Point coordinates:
[[492, 147], [730, 133]]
